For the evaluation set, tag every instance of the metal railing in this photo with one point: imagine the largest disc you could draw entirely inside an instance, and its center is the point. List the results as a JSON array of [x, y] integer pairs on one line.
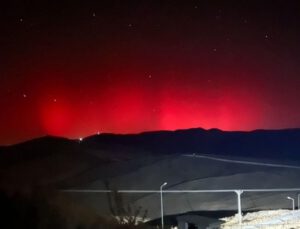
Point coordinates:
[[238, 192]]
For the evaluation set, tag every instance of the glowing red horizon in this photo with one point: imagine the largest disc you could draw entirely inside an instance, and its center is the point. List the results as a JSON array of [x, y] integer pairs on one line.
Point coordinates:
[[76, 69]]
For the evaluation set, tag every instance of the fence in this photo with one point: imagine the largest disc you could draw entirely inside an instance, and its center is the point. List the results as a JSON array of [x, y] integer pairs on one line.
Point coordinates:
[[239, 193]]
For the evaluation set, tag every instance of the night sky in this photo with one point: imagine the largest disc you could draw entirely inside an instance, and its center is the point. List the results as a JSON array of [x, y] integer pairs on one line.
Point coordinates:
[[73, 69]]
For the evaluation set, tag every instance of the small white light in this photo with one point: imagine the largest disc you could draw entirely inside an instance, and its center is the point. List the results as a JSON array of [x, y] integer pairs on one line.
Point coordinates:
[[80, 139]]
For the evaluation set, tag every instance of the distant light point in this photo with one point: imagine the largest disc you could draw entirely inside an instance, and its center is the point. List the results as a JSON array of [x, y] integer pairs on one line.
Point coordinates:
[[94, 14], [21, 19], [24, 96], [80, 139]]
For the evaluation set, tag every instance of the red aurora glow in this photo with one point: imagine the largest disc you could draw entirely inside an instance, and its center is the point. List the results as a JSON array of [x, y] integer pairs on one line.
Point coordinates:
[[76, 70]]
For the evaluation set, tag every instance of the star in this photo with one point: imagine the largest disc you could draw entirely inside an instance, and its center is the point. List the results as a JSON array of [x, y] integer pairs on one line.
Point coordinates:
[[150, 76], [55, 100], [21, 19]]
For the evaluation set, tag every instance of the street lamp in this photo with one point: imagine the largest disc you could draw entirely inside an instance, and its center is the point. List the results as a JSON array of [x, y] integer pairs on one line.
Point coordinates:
[[239, 193], [162, 205], [293, 201]]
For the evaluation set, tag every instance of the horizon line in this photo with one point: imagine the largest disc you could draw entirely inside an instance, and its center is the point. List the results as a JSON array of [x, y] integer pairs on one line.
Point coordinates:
[[144, 132]]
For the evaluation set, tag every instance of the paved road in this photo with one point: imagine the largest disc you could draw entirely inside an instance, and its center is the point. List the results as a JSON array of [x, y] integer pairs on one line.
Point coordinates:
[[241, 162]]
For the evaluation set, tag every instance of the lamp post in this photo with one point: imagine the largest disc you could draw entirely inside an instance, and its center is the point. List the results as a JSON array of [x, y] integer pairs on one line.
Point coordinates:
[[239, 193], [293, 201], [162, 205]]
